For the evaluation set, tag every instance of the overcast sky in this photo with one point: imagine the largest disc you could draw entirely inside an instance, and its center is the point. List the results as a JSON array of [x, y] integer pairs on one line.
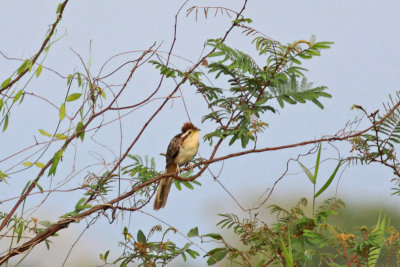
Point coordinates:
[[361, 68]]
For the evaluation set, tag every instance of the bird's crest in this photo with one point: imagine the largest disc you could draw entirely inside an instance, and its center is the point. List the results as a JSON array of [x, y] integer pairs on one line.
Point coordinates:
[[189, 126]]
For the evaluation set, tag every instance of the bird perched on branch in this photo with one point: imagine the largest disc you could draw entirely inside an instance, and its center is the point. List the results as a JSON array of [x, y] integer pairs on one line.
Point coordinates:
[[182, 148]]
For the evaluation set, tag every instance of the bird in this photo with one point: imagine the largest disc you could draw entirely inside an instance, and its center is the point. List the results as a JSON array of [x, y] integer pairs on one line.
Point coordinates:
[[181, 149]]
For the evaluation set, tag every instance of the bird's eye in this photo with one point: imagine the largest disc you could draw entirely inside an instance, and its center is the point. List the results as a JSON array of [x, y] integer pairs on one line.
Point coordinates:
[[190, 131]]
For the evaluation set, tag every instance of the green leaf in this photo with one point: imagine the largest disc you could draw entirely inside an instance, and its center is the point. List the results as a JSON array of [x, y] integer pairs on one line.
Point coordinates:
[[317, 163], [196, 182], [5, 82], [188, 185], [3, 176], [213, 236], [216, 255], [39, 164], [38, 71], [192, 253], [177, 184], [126, 233], [103, 94], [5, 123], [39, 187], [141, 237], [27, 163], [26, 187], [18, 95], [47, 243], [43, 132], [193, 232], [23, 67], [59, 8], [106, 255], [287, 252], [61, 136], [69, 79], [307, 171], [316, 102], [234, 138], [79, 205], [261, 101], [325, 186], [20, 230], [79, 79], [183, 256], [216, 54], [379, 236], [81, 133], [280, 101], [56, 159], [73, 97], [62, 111]]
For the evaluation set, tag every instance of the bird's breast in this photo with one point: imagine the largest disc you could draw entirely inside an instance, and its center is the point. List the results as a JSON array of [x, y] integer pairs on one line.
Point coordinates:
[[188, 149]]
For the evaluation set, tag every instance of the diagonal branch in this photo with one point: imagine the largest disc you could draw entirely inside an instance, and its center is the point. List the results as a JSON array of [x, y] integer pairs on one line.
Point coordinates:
[[42, 47]]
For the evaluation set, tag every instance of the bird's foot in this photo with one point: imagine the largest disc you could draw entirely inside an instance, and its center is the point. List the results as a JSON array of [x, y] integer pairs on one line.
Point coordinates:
[[190, 166]]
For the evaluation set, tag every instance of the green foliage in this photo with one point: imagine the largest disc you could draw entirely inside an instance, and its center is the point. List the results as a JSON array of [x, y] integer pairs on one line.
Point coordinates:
[[43, 132], [313, 177], [80, 131], [21, 228], [5, 125], [251, 88], [73, 97], [98, 185], [379, 144], [287, 252], [187, 184], [5, 82], [62, 111], [167, 71], [329, 181], [17, 96], [142, 251], [56, 159], [215, 255], [140, 171], [193, 232], [79, 206], [3, 176], [297, 239], [24, 66], [39, 70]]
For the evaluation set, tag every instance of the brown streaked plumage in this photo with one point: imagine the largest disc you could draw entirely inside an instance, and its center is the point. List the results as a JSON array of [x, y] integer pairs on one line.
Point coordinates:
[[182, 148]]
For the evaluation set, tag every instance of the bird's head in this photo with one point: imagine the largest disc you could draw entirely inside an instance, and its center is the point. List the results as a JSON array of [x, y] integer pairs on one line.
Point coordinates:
[[188, 127], [190, 131]]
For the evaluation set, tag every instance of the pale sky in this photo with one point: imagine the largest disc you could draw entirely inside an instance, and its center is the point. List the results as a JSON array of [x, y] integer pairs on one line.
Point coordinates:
[[362, 67]]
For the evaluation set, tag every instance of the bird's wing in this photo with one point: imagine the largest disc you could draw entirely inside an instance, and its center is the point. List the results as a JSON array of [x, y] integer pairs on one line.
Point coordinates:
[[173, 149]]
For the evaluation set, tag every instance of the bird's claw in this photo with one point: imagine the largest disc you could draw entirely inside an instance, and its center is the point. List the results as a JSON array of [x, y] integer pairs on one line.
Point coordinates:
[[178, 170], [190, 166]]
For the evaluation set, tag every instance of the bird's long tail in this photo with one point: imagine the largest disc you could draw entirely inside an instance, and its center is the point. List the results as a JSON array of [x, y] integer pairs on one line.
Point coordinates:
[[163, 189]]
